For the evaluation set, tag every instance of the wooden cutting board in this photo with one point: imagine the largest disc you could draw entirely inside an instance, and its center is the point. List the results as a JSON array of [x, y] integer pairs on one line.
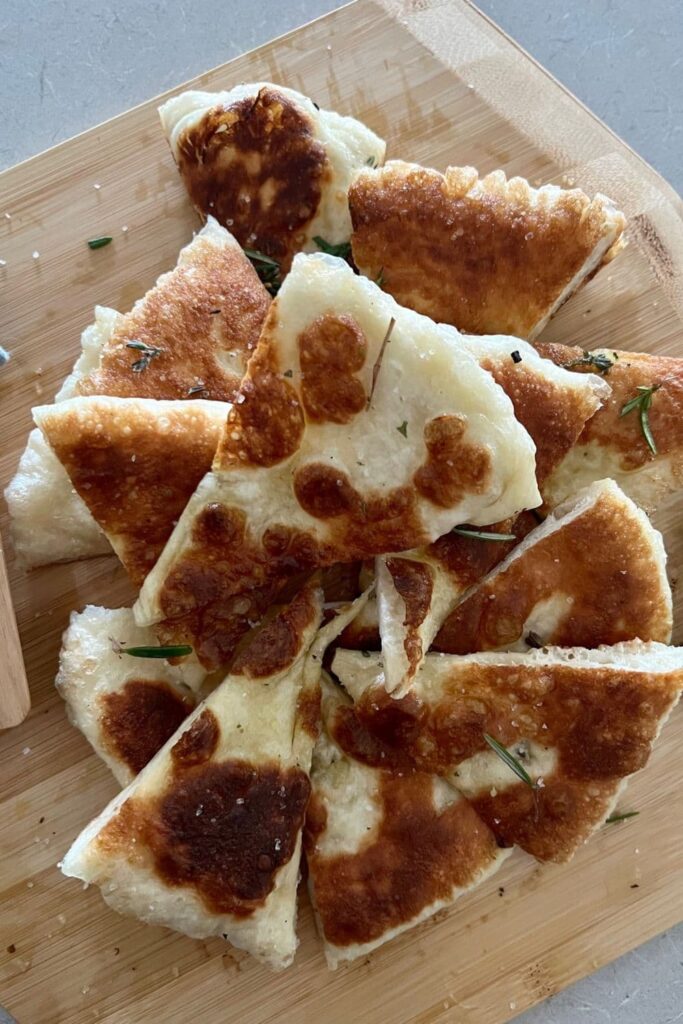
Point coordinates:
[[442, 85]]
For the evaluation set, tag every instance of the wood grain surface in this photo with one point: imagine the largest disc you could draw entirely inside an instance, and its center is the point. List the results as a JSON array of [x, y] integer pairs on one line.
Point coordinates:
[[443, 86]]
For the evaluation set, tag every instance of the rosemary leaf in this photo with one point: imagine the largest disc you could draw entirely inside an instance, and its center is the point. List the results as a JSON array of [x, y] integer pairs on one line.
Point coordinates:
[[464, 531], [378, 364], [510, 760], [267, 269], [172, 651], [341, 249], [593, 359], [99, 243], [614, 818], [643, 402], [371, 162]]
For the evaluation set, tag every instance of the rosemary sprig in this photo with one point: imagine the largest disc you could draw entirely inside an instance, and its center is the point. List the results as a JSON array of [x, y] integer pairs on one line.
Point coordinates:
[[511, 761], [341, 249], [99, 243], [267, 269], [170, 651], [149, 352], [603, 364], [464, 531], [643, 402], [378, 364], [614, 818]]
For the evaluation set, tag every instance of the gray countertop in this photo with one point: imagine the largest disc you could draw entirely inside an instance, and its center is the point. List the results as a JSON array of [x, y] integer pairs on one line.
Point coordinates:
[[67, 64]]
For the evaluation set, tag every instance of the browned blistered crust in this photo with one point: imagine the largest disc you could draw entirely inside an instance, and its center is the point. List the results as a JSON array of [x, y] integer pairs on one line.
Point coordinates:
[[257, 167], [416, 856], [491, 259], [601, 723], [210, 306]]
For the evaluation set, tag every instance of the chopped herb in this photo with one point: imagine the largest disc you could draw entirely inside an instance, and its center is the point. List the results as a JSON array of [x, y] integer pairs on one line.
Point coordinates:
[[149, 352], [366, 654], [600, 363], [403, 429], [197, 388], [315, 105], [214, 312], [464, 531], [510, 760], [288, 373], [99, 243], [371, 162], [341, 249], [614, 818], [533, 640], [515, 356], [378, 364], [267, 269], [379, 280], [643, 401], [170, 651]]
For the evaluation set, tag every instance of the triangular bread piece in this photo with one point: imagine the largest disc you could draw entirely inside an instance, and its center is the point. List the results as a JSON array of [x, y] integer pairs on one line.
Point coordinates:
[[360, 428], [192, 335], [385, 850], [416, 591], [614, 443], [125, 707], [593, 573], [207, 838], [135, 462], [269, 164], [578, 721], [485, 254]]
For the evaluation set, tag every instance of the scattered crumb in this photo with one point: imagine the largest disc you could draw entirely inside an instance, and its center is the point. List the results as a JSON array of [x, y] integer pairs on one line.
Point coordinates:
[[116, 950], [124, 228], [501, 890], [97, 186], [3, 263], [29, 885], [41, 820], [513, 1006], [635, 886], [11, 948], [8, 216], [5, 356], [35, 254], [26, 750]]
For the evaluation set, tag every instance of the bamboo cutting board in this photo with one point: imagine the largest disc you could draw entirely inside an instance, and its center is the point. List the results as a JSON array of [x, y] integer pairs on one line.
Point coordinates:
[[442, 85]]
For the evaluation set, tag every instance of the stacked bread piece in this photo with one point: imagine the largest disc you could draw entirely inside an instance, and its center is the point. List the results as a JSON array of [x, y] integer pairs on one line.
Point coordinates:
[[328, 428]]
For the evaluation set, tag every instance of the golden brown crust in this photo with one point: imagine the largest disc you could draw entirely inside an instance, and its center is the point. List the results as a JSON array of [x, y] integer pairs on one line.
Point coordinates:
[[137, 720], [210, 305], [257, 167], [600, 563], [487, 259], [624, 434], [223, 830], [600, 722], [413, 582], [331, 351], [281, 641], [416, 856], [134, 475]]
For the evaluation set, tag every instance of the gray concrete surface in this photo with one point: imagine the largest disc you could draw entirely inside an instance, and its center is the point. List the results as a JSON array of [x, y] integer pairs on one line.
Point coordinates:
[[67, 64]]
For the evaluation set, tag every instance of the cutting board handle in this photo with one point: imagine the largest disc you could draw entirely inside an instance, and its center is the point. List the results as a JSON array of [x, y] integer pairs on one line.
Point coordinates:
[[15, 700]]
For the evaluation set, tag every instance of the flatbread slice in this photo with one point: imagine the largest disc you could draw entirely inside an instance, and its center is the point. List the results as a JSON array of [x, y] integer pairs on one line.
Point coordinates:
[[125, 707], [134, 462], [579, 722], [360, 428], [385, 850], [207, 838], [197, 327], [616, 445], [593, 573], [269, 164], [416, 591], [485, 254]]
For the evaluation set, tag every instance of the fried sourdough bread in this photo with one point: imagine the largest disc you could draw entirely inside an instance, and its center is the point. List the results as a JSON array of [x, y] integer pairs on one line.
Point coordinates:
[[269, 164], [487, 255], [578, 721], [190, 337], [614, 441], [417, 590], [125, 707], [385, 849], [360, 428], [207, 838], [593, 573]]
